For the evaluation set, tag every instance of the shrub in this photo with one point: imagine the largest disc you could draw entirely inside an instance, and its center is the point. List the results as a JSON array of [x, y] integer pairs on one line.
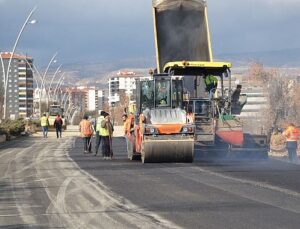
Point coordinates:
[[12, 127]]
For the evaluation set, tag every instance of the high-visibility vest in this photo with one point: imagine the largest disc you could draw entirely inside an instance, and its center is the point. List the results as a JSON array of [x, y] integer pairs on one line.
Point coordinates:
[[292, 134], [98, 125], [86, 128], [44, 121], [104, 132], [210, 79]]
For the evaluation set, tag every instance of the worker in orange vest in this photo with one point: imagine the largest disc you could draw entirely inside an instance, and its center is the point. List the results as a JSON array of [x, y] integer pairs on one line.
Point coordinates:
[[128, 123], [190, 117], [86, 131], [292, 135], [139, 133]]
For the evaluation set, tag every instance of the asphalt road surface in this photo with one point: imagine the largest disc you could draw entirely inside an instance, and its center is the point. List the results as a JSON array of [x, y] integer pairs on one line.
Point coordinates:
[[50, 183]]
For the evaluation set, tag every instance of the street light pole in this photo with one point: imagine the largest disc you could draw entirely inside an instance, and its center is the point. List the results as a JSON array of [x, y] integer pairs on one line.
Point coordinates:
[[49, 88], [43, 81], [12, 54], [59, 83], [3, 73], [45, 73]]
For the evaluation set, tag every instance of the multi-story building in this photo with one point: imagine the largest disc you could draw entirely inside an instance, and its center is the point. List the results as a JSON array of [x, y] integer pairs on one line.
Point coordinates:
[[94, 99], [19, 96], [87, 98], [123, 82]]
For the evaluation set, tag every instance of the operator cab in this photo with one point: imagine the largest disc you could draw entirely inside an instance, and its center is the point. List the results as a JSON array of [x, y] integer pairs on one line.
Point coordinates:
[[162, 91], [208, 85]]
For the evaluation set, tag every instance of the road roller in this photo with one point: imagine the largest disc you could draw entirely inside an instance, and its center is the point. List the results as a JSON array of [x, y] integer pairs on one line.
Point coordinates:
[[162, 131]]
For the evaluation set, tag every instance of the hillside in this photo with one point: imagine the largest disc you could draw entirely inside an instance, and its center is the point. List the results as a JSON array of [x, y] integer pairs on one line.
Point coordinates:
[[273, 58], [97, 74]]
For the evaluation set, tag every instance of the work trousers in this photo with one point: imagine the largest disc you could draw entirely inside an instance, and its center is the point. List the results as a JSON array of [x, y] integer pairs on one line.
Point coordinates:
[[292, 150], [87, 144], [129, 145], [45, 131], [105, 146], [98, 142], [58, 131]]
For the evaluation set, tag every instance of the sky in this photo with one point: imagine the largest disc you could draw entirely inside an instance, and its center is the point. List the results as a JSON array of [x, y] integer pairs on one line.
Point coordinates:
[[107, 30]]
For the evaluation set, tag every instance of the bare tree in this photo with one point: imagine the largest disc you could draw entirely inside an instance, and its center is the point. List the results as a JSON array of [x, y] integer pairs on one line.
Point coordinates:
[[118, 110]]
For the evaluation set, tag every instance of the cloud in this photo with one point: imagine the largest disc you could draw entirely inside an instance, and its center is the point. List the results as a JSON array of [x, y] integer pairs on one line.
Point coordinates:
[[103, 29]]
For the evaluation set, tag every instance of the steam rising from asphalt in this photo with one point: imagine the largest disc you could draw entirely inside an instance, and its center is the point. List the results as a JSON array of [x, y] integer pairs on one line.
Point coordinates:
[[181, 31]]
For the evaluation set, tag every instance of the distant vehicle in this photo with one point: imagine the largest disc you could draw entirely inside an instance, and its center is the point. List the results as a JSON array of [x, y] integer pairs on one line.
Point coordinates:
[[54, 110]]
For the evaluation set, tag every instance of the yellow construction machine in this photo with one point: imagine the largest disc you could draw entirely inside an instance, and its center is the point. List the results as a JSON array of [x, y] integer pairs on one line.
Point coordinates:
[[55, 110], [177, 89]]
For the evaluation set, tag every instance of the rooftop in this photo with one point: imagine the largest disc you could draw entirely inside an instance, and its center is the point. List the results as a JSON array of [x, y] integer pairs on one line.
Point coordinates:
[[7, 55]]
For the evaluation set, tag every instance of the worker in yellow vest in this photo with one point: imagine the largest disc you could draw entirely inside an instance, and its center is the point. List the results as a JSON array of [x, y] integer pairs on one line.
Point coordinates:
[[98, 135], [105, 132], [211, 84], [45, 125]]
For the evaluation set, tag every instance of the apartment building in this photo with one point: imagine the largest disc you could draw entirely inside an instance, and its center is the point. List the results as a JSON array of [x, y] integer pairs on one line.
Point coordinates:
[[87, 98], [19, 98]]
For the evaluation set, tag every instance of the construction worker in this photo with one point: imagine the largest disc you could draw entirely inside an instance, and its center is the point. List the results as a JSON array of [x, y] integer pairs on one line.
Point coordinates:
[[128, 133], [58, 122], [292, 134], [110, 128], [162, 94], [45, 125], [190, 115], [86, 131], [98, 136], [139, 133], [211, 83], [105, 136]]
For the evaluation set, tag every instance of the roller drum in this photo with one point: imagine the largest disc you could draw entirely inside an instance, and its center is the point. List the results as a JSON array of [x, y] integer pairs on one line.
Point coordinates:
[[168, 150]]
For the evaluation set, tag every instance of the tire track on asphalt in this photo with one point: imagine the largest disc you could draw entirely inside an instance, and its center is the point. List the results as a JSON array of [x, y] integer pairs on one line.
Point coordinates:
[[10, 176], [126, 211], [56, 211], [252, 190], [76, 199]]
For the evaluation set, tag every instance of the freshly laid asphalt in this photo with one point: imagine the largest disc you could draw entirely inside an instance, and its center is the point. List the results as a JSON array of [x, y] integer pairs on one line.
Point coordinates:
[[50, 183], [205, 194]]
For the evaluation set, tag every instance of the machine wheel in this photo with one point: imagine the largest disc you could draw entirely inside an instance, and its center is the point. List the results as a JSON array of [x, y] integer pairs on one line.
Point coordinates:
[[164, 151]]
